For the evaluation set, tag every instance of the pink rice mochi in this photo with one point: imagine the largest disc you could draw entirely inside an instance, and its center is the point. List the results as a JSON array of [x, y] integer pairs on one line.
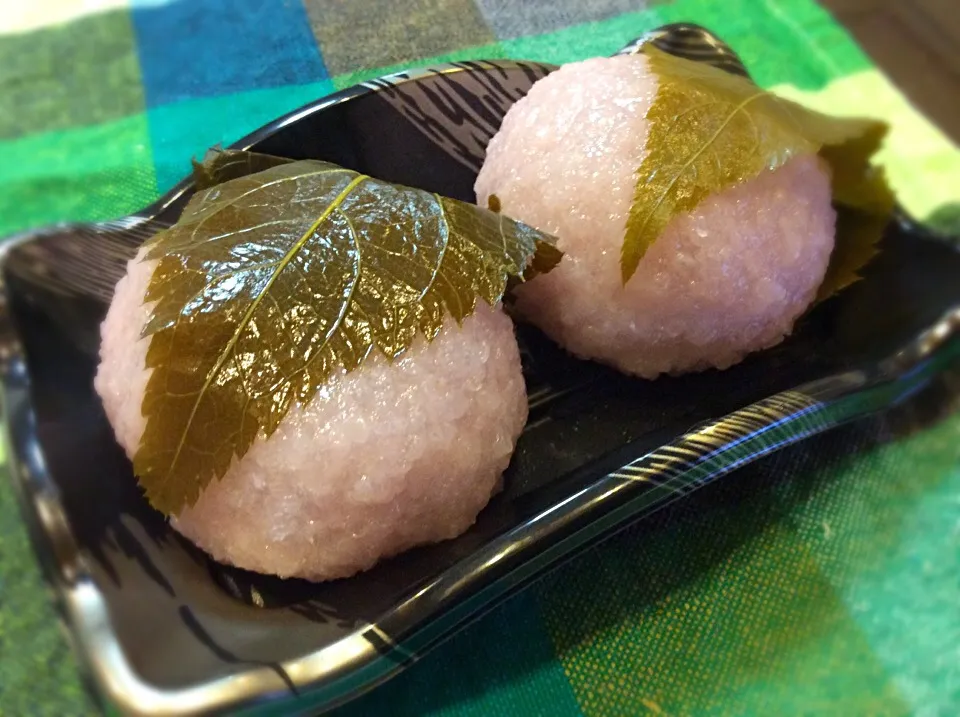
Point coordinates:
[[384, 458], [729, 278]]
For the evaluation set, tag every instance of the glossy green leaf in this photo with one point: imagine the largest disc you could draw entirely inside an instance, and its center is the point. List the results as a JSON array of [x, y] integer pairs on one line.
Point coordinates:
[[710, 130], [864, 204], [271, 282], [222, 165]]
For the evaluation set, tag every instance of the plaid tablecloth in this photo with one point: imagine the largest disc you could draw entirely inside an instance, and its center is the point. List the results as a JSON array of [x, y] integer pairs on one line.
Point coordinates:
[[825, 581]]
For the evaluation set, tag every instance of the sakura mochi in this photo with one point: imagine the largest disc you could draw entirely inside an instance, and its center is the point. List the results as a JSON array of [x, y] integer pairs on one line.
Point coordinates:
[[382, 459], [312, 369], [726, 279]]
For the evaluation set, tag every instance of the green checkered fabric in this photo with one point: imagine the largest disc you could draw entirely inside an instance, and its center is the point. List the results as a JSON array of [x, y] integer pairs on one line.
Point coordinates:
[[823, 581]]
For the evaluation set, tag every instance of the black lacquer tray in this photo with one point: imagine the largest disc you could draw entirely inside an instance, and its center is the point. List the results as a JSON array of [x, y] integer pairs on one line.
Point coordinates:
[[161, 629]]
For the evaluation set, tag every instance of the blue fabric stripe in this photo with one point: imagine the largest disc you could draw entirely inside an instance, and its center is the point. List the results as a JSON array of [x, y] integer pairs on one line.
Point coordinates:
[[190, 49]]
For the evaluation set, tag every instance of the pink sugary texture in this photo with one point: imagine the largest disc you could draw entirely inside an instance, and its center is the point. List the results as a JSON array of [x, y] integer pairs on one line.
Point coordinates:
[[384, 458], [726, 279]]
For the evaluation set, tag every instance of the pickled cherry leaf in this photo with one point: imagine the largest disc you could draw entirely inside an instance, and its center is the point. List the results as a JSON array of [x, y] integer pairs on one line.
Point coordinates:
[[860, 231], [864, 204], [273, 281], [222, 165], [710, 130]]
